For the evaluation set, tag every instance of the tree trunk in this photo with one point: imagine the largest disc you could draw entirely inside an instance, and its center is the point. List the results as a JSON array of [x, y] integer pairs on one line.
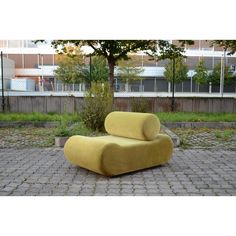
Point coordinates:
[[111, 64]]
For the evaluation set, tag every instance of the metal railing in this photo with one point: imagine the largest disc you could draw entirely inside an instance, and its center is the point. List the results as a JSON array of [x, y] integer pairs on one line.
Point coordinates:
[[159, 85]]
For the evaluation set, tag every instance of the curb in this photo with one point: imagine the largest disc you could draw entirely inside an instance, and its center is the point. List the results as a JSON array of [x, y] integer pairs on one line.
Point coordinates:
[[219, 125], [13, 124], [174, 137]]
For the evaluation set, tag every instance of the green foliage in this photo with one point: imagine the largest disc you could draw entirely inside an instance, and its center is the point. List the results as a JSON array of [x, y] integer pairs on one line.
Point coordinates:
[[115, 50], [224, 134], [62, 129], [110, 49], [169, 50], [227, 45], [97, 105], [66, 129], [99, 70], [214, 76], [139, 105], [79, 128], [201, 76], [38, 117], [69, 69], [128, 72], [181, 71]]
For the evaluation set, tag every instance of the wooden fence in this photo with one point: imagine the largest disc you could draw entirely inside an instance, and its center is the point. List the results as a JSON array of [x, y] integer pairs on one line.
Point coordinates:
[[71, 104]]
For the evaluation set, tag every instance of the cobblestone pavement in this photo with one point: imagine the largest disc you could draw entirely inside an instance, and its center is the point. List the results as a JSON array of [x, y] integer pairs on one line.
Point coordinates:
[[38, 171], [207, 138], [26, 137]]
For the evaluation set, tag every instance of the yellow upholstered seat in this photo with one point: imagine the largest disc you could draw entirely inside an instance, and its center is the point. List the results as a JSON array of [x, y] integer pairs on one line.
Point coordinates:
[[133, 144]]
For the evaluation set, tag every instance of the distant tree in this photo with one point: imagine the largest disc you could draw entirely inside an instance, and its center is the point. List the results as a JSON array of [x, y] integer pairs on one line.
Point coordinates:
[[172, 52], [226, 45], [167, 50], [69, 69], [116, 50], [214, 76], [127, 71], [112, 50], [201, 76], [99, 70], [181, 71], [229, 48]]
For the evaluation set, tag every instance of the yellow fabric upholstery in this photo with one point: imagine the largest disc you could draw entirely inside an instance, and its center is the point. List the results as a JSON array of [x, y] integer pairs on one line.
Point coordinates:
[[113, 155], [143, 126]]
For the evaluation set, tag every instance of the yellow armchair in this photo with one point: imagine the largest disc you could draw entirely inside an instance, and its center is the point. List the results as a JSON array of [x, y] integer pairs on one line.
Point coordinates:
[[133, 143]]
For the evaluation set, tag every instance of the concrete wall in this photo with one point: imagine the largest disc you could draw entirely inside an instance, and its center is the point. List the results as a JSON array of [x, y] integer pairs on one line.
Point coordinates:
[[71, 104]]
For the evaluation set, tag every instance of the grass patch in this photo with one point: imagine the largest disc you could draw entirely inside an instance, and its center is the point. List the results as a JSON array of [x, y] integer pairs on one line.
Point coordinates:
[[224, 134], [163, 116], [78, 128], [196, 117], [37, 117]]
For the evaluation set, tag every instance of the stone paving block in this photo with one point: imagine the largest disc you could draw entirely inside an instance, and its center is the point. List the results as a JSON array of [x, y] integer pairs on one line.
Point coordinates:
[[5, 193], [17, 193], [99, 194], [45, 172], [126, 194], [113, 194]]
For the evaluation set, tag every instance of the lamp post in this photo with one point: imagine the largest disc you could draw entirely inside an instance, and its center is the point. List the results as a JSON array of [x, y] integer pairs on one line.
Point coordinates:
[[222, 74], [3, 99], [90, 68], [173, 87], [42, 73]]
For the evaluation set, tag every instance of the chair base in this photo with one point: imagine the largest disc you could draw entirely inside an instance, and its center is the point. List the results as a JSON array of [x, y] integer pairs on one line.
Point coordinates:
[[112, 155]]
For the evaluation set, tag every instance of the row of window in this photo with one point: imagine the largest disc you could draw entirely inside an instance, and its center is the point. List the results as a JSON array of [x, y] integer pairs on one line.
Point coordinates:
[[33, 60], [17, 44], [198, 44]]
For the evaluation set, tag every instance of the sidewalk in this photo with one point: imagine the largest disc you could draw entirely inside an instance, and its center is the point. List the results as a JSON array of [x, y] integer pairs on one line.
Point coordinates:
[[44, 171]]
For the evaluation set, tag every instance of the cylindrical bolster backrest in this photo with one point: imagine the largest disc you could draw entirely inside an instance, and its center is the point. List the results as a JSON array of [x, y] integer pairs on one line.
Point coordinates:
[[143, 126]]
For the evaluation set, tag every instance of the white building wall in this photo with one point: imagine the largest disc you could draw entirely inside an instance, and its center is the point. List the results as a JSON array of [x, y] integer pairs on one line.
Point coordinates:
[[8, 72], [8, 68]]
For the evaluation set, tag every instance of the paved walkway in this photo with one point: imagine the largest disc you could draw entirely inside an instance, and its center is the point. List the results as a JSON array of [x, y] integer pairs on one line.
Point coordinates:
[[45, 172]]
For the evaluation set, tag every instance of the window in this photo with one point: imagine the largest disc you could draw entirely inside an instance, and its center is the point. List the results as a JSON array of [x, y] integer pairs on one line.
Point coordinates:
[[2, 43], [31, 60], [14, 43]]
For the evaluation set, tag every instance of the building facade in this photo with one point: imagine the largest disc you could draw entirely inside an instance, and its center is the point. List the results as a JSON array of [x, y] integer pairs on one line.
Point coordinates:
[[38, 62]]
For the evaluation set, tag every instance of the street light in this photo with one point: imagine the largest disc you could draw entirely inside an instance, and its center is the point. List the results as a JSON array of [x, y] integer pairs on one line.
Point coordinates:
[[173, 87], [222, 74], [88, 51], [90, 68], [3, 99]]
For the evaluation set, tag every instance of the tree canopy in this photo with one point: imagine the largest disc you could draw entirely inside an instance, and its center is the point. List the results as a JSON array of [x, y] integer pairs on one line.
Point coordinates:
[[112, 50], [227, 45], [214, 76], [201, 76], [181, 71], [99, 70], [127, 71], [69, 69], [169, 50], [116, 50]]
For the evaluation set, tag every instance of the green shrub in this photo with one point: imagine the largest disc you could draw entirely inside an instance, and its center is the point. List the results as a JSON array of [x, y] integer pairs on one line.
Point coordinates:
[[140, 104], [62, 129], [97, 105]]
